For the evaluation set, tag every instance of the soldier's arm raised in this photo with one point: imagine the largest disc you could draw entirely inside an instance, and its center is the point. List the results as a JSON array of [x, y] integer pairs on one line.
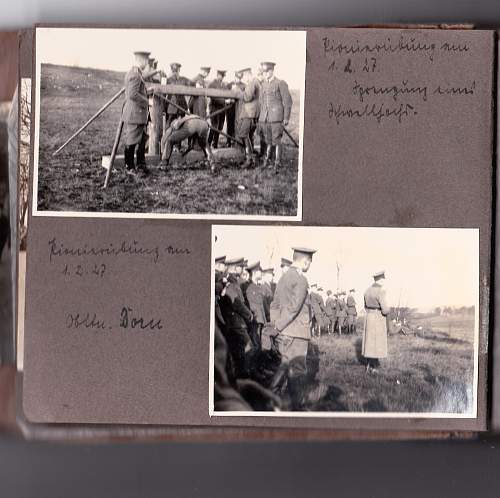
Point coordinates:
[[298, 298]]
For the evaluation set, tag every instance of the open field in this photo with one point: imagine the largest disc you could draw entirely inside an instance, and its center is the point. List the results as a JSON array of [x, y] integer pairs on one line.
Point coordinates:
[[430, 370], [72, 180]]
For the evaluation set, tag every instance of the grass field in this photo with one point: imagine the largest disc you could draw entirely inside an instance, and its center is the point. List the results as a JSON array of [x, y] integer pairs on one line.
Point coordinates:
[[429, 370], [72, 180]]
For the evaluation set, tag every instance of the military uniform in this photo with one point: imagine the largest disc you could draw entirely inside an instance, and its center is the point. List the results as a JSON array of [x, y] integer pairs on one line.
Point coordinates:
[[341, 313], [171, 111], [198, 104], [375, 330], [330, 310], [233, 111], [237, 318], [135, 117], [275, 109], [216, 104], [352, 313]]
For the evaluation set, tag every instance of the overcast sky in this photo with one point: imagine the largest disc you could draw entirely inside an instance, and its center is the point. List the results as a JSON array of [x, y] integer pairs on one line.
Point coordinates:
[[220, 49], [427, 267]]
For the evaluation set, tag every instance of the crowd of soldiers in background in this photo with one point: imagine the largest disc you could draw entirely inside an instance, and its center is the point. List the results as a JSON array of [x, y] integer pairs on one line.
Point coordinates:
[[262, 109], [245, 328]]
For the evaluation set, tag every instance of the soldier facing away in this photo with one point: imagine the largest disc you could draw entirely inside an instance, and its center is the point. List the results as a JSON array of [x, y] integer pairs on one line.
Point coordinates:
[[275, 109], [135, 114], [374, 344], [217, 104], [352, 313]]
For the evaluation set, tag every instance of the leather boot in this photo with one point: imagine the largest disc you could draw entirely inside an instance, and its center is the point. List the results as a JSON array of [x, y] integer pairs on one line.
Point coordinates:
[[277, 161], [267, 158], [141, 154], [279, 380], [129, 157], [248, 154]]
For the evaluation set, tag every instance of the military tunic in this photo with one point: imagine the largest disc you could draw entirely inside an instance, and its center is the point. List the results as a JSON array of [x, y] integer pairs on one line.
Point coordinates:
[[375, 330], [216, 104], [135, 113], [351, 310]]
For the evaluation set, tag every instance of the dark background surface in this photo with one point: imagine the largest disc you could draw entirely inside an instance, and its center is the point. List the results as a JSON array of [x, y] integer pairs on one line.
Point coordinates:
[[403, 469]]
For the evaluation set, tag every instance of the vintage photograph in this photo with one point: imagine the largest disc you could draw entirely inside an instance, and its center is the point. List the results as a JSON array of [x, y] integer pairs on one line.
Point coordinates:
[[342, 321], [169, 123]]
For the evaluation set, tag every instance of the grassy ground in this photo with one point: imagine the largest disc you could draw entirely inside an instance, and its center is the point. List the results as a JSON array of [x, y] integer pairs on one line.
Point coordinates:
[[73, 179], [430, 370]]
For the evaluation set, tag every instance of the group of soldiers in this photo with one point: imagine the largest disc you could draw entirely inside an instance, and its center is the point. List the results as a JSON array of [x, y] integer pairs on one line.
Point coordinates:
[[263, 330], [261, 106]]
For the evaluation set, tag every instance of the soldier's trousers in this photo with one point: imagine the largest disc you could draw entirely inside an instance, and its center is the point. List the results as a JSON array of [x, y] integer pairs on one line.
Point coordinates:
[[230, 123], [218, 123], [237, 342]]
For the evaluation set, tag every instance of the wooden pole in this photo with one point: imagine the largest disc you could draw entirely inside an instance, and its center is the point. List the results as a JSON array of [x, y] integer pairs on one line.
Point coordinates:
[[93, 118], [290, 137], [113, 152]]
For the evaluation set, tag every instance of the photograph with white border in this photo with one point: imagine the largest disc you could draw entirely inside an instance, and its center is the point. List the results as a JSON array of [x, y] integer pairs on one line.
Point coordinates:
[[169, 123], [344, 322]]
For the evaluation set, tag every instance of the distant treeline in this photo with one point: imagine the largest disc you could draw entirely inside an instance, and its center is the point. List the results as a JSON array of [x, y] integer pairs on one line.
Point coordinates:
[[407, 313]]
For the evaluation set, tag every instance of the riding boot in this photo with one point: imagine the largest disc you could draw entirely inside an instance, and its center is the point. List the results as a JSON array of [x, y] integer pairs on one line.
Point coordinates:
[[277, 161], [267, 158], [248, 154], [129, 157], [279, 379], [141, 154]]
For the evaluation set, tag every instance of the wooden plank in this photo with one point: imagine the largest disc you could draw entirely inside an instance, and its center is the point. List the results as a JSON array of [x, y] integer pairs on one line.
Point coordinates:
[[193, 91]]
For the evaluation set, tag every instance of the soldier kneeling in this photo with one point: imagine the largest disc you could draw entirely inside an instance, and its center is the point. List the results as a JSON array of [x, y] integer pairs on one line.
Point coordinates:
[[190, 126]]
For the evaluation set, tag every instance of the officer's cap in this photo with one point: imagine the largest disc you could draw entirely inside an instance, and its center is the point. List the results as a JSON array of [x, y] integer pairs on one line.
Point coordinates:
[[380, 274], [314, 285], [142, 54], [220, 259], [320, 288], [235, 262], [175, 65], [205, 68], [222, 72], [268, 270], [267, 65], [285, 262], [352, 290], [241, 72], [254, 266], [303, 250]]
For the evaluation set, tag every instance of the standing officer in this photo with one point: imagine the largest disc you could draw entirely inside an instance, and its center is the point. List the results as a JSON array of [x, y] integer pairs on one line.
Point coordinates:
[[341, 312], [255, 299], [330, 311], [293, 319], [351, 312], [267, 290], [275, 109], [232, 113], [248, 113], [135, 114], [172, 112], [375, 332], [198, 104], [217, 104]]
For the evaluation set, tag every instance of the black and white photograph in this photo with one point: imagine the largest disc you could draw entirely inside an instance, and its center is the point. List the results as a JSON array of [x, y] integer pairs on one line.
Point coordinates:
[[343, 321], [169, 123]]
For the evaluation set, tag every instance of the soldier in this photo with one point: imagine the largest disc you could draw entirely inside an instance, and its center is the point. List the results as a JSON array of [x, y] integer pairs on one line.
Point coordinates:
[[374, 344], [232, 113], [220, 285], [318, 310], [351, 312], [237, 318], [217, 104], [198, 104], [292, 323], [275, 109], [220, 265], [285, 265], [175, 78], [262, 140], [255, 299], [191, 127], [136, 115], [267, 290], [341, 312], [248, 113], [330, 309]]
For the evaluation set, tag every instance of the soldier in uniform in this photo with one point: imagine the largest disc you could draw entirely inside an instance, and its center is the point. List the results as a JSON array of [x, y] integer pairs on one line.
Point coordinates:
[[275, 109], [198, 104], [285, 265], [247, 114], [292, 320], [262, 140], [233, 111], [136, 114], [267, 290], [255, 299], [217, 104], [374, 344], [237, 317], [175, 78], [330, 309], [341, 312], [351, 312]]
